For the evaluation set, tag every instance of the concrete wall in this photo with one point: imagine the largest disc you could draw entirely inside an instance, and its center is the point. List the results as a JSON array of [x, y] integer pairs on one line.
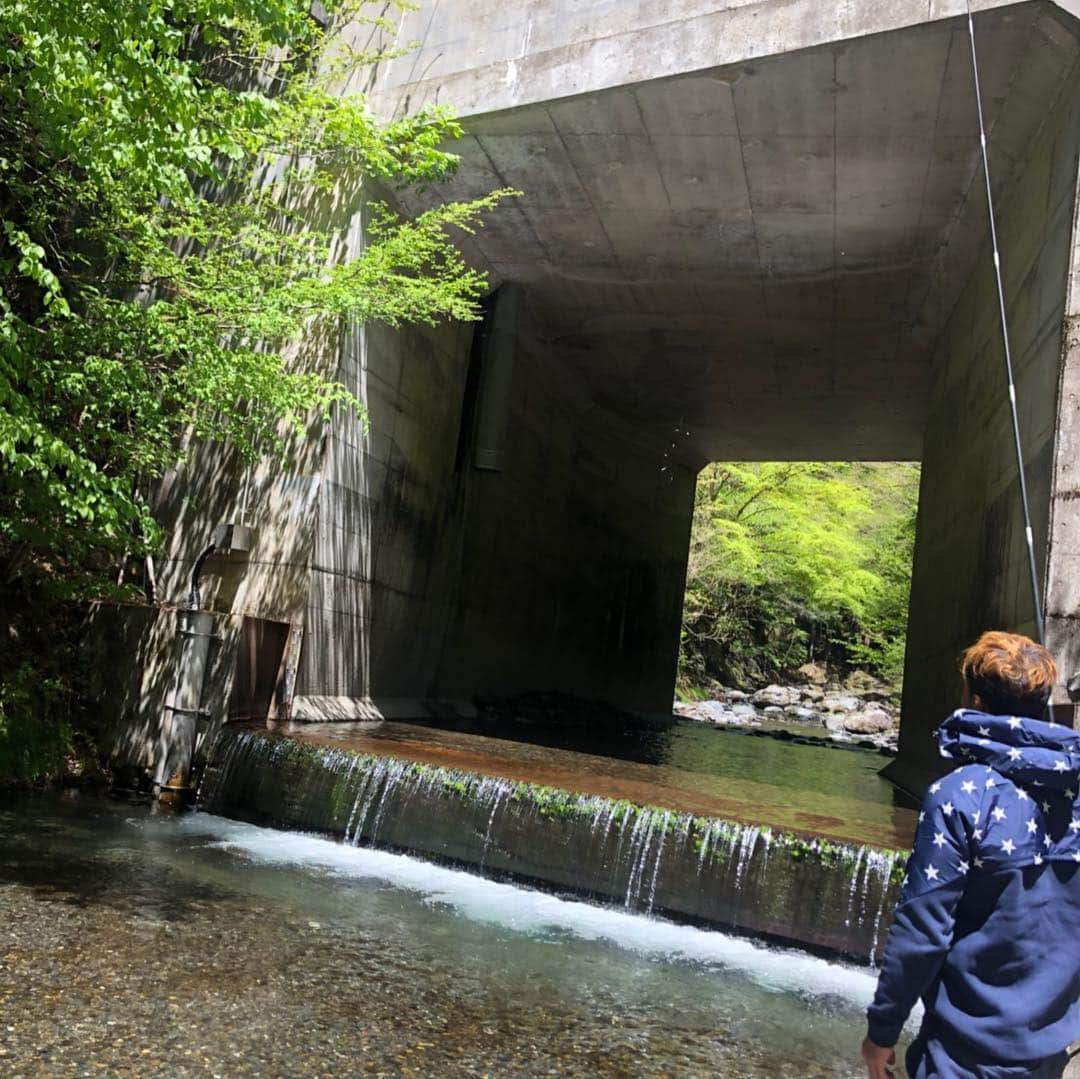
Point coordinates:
[[376, 610], [573, 556], [415, 579], [137, 648], [434, 580], [971, 570], [1063, 561], [483, 57]]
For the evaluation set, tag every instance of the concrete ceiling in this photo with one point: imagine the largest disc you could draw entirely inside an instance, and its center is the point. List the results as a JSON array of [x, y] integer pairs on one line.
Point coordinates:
[[745, 254]]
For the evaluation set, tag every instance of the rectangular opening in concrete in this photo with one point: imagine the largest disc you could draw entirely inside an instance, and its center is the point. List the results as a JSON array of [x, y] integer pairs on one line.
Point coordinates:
[[798, 579], [260, 669], [784, 256]]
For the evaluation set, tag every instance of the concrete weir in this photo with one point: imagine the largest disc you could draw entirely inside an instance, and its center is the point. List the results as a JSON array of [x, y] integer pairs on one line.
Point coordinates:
[[835, 897], [749, 229]]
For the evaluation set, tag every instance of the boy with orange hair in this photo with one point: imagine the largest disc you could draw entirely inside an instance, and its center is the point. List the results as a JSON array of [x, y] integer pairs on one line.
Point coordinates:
[[987, 928]]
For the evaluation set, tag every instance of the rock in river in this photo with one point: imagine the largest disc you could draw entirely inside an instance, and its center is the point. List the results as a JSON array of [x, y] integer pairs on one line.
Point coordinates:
[[841, 704], [777, 696], [872, 721], [813, 674]]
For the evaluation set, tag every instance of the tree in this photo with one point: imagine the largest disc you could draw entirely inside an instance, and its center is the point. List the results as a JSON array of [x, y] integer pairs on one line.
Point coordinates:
[[169, 173], [160, 165], [791, 560]]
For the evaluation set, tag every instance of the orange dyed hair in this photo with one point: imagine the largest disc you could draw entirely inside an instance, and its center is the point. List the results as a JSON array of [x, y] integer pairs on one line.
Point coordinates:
[[1012, 674]]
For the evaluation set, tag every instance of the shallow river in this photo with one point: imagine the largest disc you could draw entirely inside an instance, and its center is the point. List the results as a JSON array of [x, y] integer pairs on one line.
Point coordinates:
[[686, 766], [134, 942]]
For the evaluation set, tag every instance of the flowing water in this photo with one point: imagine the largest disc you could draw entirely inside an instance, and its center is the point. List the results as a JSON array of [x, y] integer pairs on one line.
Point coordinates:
[[752, 877], [136, 942], [681, 765]]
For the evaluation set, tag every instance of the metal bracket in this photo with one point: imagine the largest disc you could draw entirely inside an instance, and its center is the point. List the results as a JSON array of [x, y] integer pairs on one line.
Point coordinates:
[[204, 712]]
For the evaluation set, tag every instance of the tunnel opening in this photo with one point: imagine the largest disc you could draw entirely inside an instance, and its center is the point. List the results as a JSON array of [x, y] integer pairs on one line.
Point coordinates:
[[797, 592], [784, 257], [781, 259]]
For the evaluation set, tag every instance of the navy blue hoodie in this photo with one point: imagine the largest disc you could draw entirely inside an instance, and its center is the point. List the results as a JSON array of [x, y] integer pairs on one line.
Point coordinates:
[[987, 928]]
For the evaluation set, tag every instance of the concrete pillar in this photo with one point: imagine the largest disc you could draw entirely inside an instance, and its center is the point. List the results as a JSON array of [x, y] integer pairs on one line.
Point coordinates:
[[1063, 562], [970, 571], [496, 379]]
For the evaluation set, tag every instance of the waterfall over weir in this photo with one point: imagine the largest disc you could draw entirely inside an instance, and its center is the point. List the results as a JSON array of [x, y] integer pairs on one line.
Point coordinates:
[[749, 878]]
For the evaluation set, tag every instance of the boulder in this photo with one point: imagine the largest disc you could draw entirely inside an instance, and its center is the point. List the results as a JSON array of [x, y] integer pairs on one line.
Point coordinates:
[[878, 694], [743, 710], [842, 703], [813, 694], [773, 711], [776, 695], [729, 719], [715, 712], [872, 721], [813, 674], [834, 721], [688, 709], [860, 682], [736, 696], [801, 713]]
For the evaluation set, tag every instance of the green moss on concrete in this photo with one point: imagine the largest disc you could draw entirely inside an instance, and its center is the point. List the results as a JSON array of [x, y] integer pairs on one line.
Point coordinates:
[[713, 835]]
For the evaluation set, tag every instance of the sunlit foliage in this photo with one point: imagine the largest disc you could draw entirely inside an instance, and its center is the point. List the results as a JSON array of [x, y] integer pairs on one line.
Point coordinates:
[[164, 173], [792, 561], [173, 182]]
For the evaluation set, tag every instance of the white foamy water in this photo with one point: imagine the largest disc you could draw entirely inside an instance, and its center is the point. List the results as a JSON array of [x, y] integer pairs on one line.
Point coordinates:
[[530, 911]]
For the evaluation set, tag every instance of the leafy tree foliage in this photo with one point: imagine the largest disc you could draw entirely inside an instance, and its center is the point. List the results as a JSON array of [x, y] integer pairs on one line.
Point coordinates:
[[791, 561], [169, 177], [161, 166]]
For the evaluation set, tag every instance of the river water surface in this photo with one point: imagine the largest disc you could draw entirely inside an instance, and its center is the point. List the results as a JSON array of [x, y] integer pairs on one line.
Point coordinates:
[[136, 942], [688, 767]]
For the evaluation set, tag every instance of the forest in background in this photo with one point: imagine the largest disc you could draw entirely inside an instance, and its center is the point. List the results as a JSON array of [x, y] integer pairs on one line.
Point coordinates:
[[794, 562]]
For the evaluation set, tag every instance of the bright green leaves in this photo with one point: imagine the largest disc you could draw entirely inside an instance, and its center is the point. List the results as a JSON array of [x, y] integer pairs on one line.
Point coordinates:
[[27, 260], [176, 182], [789, 556]]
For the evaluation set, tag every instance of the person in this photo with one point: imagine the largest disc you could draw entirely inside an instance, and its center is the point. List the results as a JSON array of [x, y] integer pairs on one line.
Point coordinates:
[[987, 927]]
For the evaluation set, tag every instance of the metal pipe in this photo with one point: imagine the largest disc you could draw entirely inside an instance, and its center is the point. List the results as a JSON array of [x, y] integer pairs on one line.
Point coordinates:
[[180, 723], [194, 597]]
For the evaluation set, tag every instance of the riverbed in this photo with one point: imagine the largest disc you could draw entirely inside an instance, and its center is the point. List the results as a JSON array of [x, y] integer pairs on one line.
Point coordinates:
[[135, 941]]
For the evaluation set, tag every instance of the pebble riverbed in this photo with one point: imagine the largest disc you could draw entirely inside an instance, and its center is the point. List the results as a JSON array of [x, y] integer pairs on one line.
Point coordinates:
[[134, 943]]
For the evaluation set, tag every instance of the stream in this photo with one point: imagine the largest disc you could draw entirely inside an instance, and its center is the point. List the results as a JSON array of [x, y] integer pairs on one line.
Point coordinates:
[[135, 940]]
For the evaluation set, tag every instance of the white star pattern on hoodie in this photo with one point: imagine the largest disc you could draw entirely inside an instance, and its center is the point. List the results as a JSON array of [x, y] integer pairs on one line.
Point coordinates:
[[954, 846]]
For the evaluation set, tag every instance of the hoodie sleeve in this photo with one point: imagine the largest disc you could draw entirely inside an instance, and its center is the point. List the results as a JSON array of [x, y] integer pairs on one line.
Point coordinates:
[[922, 929]]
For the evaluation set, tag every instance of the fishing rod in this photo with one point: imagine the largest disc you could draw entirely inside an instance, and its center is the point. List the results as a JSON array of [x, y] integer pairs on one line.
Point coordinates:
[[1024, 504]]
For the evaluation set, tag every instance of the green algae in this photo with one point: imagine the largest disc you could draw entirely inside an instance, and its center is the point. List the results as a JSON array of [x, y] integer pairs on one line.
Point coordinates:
[[709, 837]]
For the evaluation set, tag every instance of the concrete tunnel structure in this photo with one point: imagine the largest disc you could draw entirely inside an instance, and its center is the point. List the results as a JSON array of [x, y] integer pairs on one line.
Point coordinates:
[[749, 231]]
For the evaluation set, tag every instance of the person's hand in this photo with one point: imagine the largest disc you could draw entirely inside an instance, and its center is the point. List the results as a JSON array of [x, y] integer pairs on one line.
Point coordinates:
[[880, 1062]]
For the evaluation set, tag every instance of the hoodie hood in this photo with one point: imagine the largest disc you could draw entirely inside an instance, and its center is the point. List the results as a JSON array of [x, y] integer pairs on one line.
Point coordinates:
[[1030, 752]]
